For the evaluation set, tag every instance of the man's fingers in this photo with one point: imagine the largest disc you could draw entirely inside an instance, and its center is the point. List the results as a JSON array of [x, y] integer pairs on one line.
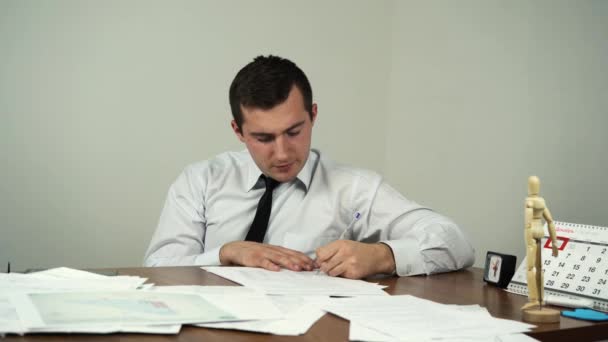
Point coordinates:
[[326, 252], [337, 270], [285, 260], [329, 264], [299, 261], [270, 257], [269, 265]]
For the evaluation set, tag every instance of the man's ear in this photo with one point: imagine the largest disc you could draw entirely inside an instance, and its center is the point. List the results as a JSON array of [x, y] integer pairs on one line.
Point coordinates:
[[237, 131], [314, 113]]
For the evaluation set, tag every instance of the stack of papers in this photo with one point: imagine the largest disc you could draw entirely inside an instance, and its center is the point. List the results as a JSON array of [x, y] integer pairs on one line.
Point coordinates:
[[408, 318], [15, 286], [286, 282], [73, 301], [66, 279], [65, 300]]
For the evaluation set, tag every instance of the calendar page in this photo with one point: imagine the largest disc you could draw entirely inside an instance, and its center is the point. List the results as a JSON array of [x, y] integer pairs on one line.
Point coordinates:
[[580, 269]]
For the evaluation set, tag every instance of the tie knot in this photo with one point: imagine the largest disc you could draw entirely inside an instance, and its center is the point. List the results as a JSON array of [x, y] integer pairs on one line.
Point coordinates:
[[270, 183]]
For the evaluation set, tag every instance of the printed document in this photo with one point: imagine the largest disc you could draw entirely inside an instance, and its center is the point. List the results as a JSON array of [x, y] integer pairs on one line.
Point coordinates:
[[286, 282], [299, 312], [408, 318]]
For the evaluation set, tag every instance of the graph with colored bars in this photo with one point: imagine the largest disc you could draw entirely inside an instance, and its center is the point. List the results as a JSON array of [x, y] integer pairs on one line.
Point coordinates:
[[580, 269]]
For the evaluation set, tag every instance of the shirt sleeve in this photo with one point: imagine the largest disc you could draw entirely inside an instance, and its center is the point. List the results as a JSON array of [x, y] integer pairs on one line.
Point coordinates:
[[422, 241], [179, 237]]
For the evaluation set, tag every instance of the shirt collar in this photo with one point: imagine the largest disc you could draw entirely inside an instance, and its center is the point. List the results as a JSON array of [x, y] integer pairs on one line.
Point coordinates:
[[304, 176]]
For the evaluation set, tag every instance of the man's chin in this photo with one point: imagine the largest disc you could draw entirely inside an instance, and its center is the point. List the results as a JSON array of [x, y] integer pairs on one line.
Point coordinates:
[[285, 174], [283, 178]]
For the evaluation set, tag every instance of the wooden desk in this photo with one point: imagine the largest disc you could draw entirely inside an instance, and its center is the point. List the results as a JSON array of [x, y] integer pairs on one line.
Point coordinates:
[[463, 287]]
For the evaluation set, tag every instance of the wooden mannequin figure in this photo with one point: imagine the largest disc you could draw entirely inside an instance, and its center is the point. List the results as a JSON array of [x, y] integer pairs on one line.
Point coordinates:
[[535, 211]]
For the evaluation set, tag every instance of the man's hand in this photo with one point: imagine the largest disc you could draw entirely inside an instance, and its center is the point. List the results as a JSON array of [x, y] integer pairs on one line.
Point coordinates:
[[355, 260], [254, 254]]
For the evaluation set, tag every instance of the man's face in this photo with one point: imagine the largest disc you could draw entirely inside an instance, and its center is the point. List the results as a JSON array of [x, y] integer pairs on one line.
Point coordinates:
[[278, 139]]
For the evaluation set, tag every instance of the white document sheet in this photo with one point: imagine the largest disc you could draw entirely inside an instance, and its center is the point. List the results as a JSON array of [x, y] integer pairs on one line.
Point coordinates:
[[299, 317], [11, 324], [9, 319], [242, 302], [132, 282], [67, 273], [358, 332], [110, 329], [17, 282], [286, 282], [67, 279], [116, 308], [407, 318], [299, 313]]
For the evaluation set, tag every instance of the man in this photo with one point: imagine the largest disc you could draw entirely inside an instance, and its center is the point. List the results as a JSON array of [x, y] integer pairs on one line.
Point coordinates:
[[294, 208]]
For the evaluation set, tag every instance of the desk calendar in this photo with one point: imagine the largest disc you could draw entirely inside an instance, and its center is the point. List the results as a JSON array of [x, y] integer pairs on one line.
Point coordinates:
[[580, 269]]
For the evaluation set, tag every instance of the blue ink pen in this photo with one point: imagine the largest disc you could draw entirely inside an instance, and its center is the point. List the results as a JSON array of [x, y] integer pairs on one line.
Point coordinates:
[[356, 218]]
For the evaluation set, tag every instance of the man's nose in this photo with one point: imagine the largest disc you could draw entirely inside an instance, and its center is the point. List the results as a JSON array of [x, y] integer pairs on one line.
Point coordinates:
[[281, 149]]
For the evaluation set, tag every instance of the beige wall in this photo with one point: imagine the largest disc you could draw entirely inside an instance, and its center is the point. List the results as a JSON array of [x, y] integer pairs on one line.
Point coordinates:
[[484, 94], [103, 103]]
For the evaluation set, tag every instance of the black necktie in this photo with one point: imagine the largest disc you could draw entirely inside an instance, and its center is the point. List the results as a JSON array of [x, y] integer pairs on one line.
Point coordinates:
[[260, 221]]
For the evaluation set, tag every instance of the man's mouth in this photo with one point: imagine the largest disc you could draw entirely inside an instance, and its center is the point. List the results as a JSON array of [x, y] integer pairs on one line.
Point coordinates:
[[283, 167]]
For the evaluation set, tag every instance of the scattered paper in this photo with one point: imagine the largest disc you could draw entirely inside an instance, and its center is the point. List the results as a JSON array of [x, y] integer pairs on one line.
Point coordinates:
[[41, 310], [49, 282], [286, 282], [67, 279], [285, 303], [299, 313], [408, 318]]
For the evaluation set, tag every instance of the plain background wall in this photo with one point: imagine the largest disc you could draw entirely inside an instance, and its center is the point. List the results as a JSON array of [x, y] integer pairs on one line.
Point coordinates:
[[484, 94], [102, 104]]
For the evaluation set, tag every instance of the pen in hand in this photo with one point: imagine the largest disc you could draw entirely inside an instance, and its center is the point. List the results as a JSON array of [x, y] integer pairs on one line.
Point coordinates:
[[342, 236], [356, 218]]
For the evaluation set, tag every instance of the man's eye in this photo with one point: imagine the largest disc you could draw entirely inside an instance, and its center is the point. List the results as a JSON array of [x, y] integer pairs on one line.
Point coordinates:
[[264, 139], [293, 133]]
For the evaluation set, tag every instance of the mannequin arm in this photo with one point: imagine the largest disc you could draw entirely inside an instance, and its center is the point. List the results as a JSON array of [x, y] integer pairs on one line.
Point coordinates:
[[551, 227]]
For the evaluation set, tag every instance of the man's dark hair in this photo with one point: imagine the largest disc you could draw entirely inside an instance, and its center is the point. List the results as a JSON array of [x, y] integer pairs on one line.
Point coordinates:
[[265, 83]]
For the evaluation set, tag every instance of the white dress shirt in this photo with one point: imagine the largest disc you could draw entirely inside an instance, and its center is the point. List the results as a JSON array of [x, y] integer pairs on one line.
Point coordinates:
[[214, 202]]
